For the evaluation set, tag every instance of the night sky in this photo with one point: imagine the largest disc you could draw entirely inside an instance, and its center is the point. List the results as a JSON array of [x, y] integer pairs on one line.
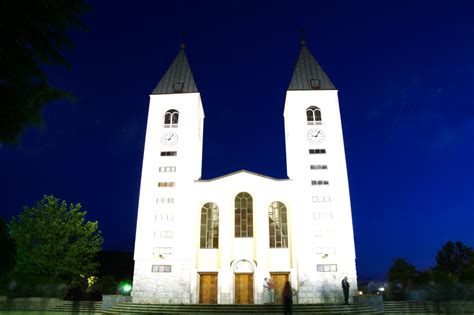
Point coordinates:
[[405, 75]]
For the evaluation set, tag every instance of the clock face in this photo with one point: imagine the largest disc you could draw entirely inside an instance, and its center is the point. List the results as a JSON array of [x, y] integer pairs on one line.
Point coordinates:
[[316, 136], [169, 139]]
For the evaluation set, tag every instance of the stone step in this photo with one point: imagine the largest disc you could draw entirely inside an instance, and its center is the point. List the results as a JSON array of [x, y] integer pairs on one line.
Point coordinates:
[[81, 310], [416, 311], [133, 308], [428, 304], [429, 307], [81, 303], [245, 306], [77, 306], [295, 312], [67, 307]]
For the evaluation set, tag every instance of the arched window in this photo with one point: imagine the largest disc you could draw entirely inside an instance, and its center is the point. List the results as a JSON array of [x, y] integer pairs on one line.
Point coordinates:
[[278, 224], [171, 118], [243, 215], [313, 115], [210, 226]]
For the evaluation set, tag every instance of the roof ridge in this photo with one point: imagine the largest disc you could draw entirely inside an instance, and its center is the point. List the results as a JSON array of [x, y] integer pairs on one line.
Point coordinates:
[[242, 171]]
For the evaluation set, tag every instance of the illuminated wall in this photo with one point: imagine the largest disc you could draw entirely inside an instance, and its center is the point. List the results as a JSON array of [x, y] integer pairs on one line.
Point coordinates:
[[319, 251]]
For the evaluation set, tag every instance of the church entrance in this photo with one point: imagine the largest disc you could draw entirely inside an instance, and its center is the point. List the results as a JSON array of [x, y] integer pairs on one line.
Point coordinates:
[[208, 288], [244, 288], [279, 279]]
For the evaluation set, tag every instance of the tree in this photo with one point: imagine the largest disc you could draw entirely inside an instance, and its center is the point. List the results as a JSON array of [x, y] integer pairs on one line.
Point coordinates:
[[54, 240], [32, 33], [401, 277], [456, 259], [7, 250], [402, 272]]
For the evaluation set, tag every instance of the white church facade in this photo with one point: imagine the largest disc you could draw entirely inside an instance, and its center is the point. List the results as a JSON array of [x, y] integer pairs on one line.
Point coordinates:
[[215, 240]]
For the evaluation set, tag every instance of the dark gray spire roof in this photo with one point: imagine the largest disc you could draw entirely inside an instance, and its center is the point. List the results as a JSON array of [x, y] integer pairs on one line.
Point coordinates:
[[308, 74], [178, 78]]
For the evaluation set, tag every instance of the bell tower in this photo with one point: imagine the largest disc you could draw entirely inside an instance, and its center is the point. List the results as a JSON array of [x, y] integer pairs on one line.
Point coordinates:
[[171, 163], [324, 240]]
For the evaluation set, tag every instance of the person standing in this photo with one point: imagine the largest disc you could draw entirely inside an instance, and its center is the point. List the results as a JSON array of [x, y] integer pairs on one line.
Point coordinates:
[[266, 292], [345, 289], [271, 290], [287, 296]]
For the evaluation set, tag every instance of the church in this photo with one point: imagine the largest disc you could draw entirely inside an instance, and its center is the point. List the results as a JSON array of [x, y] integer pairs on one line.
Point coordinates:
[[215, 240]]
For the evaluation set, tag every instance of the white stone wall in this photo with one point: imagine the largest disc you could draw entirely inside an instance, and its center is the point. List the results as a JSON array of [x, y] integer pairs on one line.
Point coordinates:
[[325, 235], [163, 288], [175, 217]]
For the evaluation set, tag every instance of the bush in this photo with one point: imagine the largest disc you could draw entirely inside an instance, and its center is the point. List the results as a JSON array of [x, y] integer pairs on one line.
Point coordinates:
[[34, 286]]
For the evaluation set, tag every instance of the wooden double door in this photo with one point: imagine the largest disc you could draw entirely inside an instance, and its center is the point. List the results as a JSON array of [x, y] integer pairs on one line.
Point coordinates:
[[208, 288], [243, 288], [279, 279]]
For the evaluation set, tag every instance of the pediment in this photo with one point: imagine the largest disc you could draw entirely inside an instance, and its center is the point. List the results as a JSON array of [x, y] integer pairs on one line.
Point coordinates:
[[244, 175]]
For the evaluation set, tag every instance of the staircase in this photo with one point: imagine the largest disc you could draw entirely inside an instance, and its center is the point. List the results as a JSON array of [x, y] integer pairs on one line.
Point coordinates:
[[235, 309], [429, 307], [45, 305], [71, 307]]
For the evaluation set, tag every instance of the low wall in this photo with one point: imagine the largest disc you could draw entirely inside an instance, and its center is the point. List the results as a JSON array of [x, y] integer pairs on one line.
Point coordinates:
[[30, 303]]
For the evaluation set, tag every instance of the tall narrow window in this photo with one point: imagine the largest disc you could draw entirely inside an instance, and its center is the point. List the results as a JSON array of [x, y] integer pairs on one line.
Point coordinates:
[[210, 226], [313, 115], [243, 215], [171, 118], [278, 225]]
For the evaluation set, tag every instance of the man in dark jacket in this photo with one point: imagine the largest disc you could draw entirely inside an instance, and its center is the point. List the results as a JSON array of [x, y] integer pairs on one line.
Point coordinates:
[[345, 289]]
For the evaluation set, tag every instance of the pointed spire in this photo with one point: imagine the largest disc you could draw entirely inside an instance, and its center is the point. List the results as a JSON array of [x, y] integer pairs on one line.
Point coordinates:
[[179, 77], [308, 74]]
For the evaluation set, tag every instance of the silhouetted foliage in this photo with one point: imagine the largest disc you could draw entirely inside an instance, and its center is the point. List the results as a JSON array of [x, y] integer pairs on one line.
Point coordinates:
[[451, 279], [423, 277], [7, 250], [467, 274], [401, 276], [54, 240], [32, 34], [402, 272], [456, 259]]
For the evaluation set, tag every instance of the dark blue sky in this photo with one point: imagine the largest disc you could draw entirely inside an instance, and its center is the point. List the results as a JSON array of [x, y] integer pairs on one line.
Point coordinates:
[[405, 74]]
